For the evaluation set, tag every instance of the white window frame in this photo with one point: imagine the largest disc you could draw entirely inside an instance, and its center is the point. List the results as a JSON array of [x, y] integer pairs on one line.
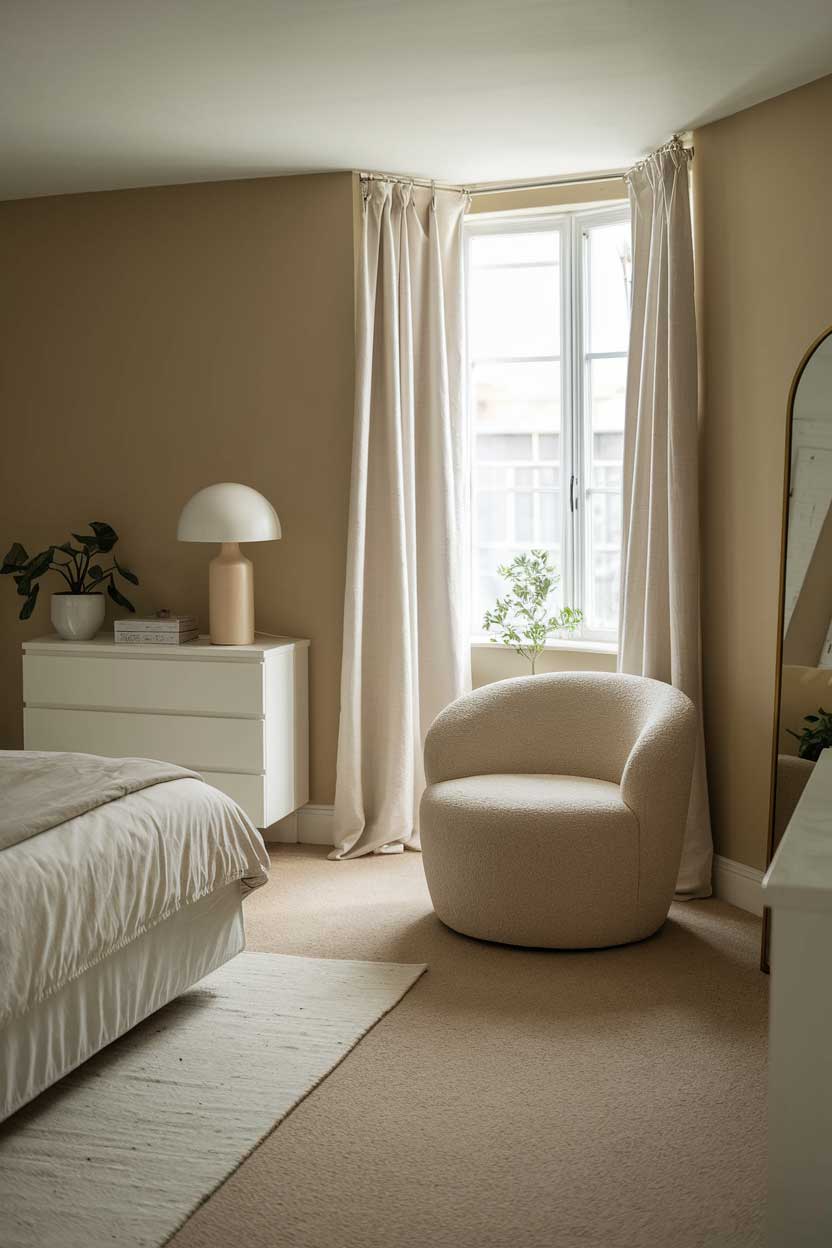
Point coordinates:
[[574, 360]]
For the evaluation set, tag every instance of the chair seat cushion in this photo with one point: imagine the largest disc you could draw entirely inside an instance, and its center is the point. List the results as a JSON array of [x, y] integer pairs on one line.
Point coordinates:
[[541, 860], [523, 798]]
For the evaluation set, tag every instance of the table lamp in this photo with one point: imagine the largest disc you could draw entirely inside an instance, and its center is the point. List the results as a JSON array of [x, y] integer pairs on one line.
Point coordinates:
[[229, 513]]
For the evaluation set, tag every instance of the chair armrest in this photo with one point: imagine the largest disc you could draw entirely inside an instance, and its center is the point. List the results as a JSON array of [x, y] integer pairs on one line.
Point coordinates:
[[656, 785], [660, 766]]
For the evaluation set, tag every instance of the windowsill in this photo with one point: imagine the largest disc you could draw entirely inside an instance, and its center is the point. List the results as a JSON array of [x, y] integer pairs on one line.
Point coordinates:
[[578, 645]]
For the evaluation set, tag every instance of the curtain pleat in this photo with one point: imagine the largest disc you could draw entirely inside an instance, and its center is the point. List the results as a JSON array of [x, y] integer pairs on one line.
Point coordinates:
[[405, 652], [659, 627]]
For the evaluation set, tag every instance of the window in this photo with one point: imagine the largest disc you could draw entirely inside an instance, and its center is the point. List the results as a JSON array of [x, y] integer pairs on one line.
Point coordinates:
[[548, 327]]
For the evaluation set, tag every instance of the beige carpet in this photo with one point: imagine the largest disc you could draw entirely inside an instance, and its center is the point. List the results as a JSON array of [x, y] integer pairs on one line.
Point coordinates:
[[514, 1099]]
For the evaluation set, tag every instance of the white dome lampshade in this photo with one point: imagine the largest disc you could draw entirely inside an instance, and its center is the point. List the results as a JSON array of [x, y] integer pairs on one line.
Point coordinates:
[[229, 513]]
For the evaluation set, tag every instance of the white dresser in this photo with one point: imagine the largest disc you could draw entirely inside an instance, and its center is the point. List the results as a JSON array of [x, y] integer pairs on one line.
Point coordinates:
[[798, 887], [236, 714]]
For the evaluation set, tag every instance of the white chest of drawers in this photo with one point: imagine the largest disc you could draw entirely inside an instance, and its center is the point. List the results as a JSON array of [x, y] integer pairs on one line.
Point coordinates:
[[798, 887], [236, 714]]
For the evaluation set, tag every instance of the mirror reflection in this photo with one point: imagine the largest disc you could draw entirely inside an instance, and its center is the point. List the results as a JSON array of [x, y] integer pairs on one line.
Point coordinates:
[[805, 714]]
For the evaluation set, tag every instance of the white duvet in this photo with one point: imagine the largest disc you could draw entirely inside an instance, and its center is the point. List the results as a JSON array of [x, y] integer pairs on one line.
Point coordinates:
[[72, 895]]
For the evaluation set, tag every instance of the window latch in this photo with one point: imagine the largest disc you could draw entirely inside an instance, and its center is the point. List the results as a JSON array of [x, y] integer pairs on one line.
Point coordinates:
[[573, 502]]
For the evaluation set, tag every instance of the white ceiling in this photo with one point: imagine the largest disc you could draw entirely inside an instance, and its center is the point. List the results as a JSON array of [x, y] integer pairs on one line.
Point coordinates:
[[98, 94]]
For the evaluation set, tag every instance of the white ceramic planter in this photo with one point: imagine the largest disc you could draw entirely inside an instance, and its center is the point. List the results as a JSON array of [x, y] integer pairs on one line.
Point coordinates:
[[77, 617]]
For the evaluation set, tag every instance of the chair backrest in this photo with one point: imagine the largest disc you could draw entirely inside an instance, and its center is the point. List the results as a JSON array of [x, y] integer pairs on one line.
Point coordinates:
[[565, 723]]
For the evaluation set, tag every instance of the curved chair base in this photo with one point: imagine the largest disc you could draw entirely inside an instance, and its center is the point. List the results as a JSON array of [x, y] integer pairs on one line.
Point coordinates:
[[540, 861], [552, 944]]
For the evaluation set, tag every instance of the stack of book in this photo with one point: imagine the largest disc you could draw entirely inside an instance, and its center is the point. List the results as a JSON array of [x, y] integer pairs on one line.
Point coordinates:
[[166, 630]]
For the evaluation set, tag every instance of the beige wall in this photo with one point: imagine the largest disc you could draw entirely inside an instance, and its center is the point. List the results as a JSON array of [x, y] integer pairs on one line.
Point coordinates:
[[763, 186], [154, 341], [550, 197]]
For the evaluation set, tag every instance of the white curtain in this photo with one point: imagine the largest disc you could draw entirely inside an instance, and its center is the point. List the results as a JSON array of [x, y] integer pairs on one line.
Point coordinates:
[[406, 653], [659, 627]]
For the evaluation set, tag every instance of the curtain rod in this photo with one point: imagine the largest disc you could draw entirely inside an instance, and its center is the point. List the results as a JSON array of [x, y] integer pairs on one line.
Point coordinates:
[[498, 188], [504, 188]]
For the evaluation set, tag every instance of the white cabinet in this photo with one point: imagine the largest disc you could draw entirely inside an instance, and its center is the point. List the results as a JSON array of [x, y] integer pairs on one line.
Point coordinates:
[[798, 887], [236, 714]]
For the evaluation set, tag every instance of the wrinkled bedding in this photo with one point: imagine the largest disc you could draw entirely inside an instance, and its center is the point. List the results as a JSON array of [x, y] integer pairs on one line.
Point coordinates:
[[73, 894], [40, 789]]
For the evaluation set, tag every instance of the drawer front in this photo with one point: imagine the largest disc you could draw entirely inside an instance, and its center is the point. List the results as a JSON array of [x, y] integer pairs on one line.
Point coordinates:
[[247, 791], [210, 744], [119, 683]]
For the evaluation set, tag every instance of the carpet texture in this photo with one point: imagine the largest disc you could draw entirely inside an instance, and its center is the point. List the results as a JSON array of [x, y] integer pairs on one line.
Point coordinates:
[[121, 1151], [515, 1098]]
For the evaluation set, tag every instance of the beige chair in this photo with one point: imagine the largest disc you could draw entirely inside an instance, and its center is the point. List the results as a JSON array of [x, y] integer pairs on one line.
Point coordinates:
[[556, 807]]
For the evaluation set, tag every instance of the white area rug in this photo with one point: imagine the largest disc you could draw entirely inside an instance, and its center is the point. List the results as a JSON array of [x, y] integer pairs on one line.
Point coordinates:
[[124, 1149]]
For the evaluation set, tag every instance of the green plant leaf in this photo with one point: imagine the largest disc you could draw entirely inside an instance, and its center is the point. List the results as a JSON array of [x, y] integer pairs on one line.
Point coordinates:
[[812, 740], [68, 548], [39, 563], [90, 544], [125, 572], [29, 605], [95, 573], [105, 535], [521, 618], [119, 598], [14, 559]]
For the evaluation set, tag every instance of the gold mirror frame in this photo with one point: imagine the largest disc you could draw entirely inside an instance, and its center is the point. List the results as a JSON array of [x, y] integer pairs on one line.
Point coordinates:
[[778, 674]]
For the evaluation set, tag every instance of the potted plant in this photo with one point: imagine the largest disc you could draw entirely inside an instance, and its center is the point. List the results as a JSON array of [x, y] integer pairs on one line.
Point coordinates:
[[523, 619], [78, 611], [816, 735]]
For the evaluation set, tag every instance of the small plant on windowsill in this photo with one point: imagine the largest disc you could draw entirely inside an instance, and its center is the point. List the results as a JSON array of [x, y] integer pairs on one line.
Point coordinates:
[[816, 735], [523, 619]]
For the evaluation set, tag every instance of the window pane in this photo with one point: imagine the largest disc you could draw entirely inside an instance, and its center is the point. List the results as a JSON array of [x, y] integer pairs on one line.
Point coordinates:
[[514, 312], [550, 520], [491, 478], [607, 446], [491, 516], [603, 613], [488, 586], [520, 247], [516, 396], [525, 422], [523, 516], [606, 384], [536, 478], [603, 562], [606, 520], [608, 264], [502, 446]]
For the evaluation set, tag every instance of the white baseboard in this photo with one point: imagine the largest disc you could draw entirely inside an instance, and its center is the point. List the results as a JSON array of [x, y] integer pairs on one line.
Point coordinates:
[[738, 884], [310, 825]]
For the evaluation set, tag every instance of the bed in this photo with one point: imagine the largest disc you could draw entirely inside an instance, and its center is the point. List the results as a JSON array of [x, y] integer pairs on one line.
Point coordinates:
[[121, 885]]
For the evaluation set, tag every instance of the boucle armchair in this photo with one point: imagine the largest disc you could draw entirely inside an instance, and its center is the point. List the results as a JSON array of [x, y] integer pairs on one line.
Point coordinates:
[[555, 808]]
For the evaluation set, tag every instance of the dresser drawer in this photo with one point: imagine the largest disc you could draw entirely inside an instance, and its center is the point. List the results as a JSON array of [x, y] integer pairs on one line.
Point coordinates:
[[247, 791], [205, 744], [118, 683]]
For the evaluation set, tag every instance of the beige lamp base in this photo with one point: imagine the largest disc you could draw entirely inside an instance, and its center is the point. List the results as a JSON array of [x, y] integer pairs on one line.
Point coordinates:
[[230, 597]]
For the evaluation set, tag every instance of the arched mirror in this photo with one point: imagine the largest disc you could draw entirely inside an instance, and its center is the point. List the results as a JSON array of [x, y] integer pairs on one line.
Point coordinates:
[[803, 703]]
